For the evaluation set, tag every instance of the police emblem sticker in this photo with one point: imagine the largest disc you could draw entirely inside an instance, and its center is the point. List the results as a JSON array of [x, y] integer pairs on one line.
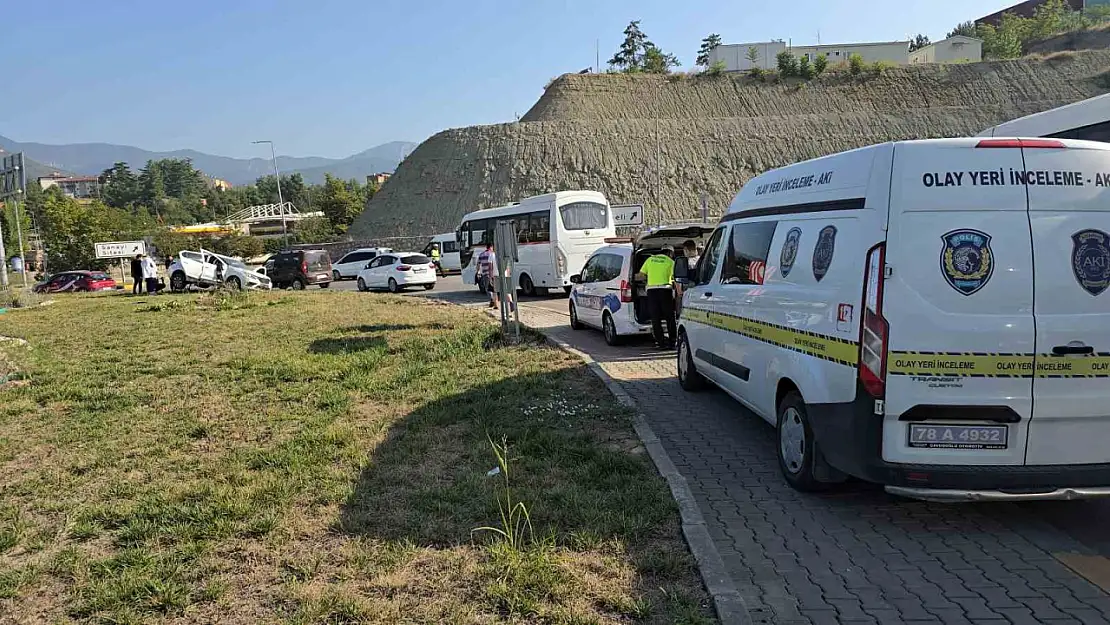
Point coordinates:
[[966, 260], [823, 252], [1090, 260], [789, 251]]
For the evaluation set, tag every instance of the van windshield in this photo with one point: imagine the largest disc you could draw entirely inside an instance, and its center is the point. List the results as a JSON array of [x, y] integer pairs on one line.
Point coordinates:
[[317, 259], [584, 216]]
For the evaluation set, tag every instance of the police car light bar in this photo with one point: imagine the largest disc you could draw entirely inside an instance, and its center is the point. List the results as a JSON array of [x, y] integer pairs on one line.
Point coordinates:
[[1021, 143]]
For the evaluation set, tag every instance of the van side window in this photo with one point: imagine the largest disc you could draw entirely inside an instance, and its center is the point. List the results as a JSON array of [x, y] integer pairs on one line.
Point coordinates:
[[611, 267], [746, 256], [707, 265], [541, 227]]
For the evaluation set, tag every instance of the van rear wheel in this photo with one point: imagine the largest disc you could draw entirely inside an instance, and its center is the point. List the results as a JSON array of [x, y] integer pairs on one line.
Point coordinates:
[[797, 449]]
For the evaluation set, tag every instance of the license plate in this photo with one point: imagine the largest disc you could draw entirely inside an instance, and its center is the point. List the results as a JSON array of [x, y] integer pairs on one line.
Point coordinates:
[[959, 436], [418, 270], [322, 276]]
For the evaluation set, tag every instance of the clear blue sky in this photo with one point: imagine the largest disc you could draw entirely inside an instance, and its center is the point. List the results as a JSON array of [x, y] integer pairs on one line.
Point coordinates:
[[334, 77]]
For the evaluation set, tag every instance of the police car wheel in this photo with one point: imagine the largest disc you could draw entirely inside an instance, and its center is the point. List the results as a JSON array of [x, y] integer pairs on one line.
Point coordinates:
[[688, 377], [575, 324], [609, 327], [796, 447]]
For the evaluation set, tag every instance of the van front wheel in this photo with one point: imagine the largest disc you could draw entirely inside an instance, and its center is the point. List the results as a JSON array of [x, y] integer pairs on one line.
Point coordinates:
[[797, 449]]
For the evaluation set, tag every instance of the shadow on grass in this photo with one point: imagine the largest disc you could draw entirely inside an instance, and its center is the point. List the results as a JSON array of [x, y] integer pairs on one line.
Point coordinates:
[[346, 345], [575, 462]]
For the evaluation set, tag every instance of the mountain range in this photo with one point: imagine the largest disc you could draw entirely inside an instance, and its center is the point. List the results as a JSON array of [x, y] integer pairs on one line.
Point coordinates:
[[94, 158]]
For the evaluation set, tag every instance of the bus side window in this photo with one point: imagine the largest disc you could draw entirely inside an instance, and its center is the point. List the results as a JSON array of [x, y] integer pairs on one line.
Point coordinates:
[[541, 227]]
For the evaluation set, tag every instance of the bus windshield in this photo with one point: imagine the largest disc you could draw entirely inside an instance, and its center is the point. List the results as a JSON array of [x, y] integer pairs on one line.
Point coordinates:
[[584, 216]]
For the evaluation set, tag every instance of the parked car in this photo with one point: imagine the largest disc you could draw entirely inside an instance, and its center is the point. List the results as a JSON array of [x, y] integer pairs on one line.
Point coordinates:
[[924, 315], [301, 268], [347, 267], [206, 269], [76, 282], [607, 294], [396, 271]]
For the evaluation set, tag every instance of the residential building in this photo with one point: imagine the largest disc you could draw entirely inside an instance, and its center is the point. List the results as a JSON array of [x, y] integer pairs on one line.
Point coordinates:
[[735, 56], [956, 49], [378, 179], [216, 183], [79, 187], [1028, 8]]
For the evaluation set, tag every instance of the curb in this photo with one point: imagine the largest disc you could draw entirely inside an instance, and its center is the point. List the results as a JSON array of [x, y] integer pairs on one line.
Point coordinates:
[[729, 604]]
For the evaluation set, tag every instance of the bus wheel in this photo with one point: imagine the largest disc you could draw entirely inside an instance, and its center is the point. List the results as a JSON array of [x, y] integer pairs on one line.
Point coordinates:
[[526, 286]]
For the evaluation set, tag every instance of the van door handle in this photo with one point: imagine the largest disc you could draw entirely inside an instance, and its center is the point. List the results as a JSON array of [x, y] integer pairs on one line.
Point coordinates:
[[1073, 350]]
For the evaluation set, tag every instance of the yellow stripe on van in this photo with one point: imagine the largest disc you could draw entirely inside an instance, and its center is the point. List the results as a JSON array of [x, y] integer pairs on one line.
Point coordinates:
[[1097, 366], [831, 348], [961, 364]]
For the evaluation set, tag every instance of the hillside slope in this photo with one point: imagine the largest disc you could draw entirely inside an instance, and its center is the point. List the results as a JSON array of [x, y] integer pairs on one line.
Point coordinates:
[[662, 142]]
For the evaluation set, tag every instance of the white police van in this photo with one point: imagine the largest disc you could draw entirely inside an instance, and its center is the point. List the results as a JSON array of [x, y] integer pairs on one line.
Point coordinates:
[[930, 315], [609, 296]]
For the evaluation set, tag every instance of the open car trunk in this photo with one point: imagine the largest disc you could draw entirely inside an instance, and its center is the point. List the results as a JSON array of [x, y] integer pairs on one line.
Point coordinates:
[[650, 242]]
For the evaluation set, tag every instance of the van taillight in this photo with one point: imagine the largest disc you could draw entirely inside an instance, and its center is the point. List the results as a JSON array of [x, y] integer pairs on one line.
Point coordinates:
[[304, 266], [1021, 143], [874, 330], [626, 292]]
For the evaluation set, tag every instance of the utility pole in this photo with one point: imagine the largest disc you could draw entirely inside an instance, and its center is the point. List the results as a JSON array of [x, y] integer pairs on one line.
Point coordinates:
[[597, 56], [281, 202], [3, 261], [21, 204]]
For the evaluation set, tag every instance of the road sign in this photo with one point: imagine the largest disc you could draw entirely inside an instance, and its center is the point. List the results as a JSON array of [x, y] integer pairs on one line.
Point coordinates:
[[628, 214], [120, 249]]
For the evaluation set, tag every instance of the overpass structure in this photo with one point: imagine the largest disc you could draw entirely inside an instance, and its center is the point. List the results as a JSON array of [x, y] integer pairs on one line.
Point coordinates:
[[260, 220]]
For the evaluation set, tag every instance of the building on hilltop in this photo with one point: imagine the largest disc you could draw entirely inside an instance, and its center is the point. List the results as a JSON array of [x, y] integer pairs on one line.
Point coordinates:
[[377, 179], [77, 187], [735, 55], [216, 183], [1029, 7], [955, 49]]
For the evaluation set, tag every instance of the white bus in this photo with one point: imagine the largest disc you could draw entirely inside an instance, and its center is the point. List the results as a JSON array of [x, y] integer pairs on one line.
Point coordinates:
[[556, 232], [1088, 119], [448, 252]]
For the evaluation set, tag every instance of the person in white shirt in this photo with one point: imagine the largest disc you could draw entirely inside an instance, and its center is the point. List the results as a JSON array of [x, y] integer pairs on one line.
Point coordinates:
[[150, 274]]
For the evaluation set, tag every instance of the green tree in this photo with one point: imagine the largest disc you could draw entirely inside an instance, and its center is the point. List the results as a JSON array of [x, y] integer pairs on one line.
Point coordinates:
[[820, 64], [314, 230], [338, 203], [629, 58], [658, 62], [787, 64], [152, 186], [121, 187], [753, 57], [707, 45], [1048, 19], [855, 64], [293, 189], [918, 42], [805, 70], [71, 228], [965, 29], [10, 212]]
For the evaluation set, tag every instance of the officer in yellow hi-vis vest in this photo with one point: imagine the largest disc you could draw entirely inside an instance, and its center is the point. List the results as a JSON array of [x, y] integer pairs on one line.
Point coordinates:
[[659, 269]]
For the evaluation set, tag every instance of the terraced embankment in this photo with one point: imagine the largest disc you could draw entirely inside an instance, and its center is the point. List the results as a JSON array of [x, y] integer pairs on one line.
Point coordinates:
[[663, 141]]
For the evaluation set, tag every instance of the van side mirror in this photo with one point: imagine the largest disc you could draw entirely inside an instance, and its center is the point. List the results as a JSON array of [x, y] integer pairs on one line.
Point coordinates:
[[576, 279]]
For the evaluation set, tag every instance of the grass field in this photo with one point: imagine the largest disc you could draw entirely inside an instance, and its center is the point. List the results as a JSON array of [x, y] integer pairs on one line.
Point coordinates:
[[318, 458]]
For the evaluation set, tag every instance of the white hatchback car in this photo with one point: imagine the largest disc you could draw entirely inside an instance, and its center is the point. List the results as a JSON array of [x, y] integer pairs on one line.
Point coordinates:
[[397, 270], [347, 268], [607, 296]]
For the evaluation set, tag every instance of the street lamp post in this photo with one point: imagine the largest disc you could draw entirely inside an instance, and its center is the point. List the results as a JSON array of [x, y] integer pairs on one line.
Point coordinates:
[[281, 201]]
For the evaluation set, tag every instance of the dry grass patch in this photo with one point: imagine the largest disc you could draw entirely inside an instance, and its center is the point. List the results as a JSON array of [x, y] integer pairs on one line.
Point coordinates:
[[318, 458]]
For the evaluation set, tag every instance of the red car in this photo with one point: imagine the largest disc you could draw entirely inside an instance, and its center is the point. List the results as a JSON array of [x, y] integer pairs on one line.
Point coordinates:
[[76, 281]]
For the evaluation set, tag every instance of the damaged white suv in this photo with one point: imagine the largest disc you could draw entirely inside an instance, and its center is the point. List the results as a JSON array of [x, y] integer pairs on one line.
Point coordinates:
[[206, 269]]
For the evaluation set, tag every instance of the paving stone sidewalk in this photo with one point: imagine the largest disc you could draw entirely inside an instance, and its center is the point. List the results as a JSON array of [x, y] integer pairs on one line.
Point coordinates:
[[855, 555]]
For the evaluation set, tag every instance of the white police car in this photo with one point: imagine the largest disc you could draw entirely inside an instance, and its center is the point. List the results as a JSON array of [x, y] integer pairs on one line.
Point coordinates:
[[608, 296], [932, 315]]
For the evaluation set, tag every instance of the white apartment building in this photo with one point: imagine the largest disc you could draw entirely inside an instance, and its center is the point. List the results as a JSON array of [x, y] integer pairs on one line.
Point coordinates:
[[957, 49]]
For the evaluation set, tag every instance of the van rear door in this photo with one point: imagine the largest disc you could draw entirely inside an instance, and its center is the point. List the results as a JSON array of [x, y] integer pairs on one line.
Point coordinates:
[[958, 302], [1069, 210]]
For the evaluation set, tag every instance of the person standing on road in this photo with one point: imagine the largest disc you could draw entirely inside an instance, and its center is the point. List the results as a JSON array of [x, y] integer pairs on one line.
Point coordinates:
[[660, 276], [435, 259], [137, 275], [485, 273], [150, 274]]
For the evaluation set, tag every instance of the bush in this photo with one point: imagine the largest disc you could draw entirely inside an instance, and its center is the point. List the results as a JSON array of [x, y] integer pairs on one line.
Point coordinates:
[[787, 63], [855, 64], [805, 70], [878, 67], [757, 73], [820, 65], [716, 69]]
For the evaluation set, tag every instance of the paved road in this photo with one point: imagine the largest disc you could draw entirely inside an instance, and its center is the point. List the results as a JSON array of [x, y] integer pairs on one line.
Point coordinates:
[[855, 555], [451, 289]]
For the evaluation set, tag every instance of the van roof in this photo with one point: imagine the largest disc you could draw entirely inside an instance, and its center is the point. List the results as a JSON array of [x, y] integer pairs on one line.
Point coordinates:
[[845, 176]]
